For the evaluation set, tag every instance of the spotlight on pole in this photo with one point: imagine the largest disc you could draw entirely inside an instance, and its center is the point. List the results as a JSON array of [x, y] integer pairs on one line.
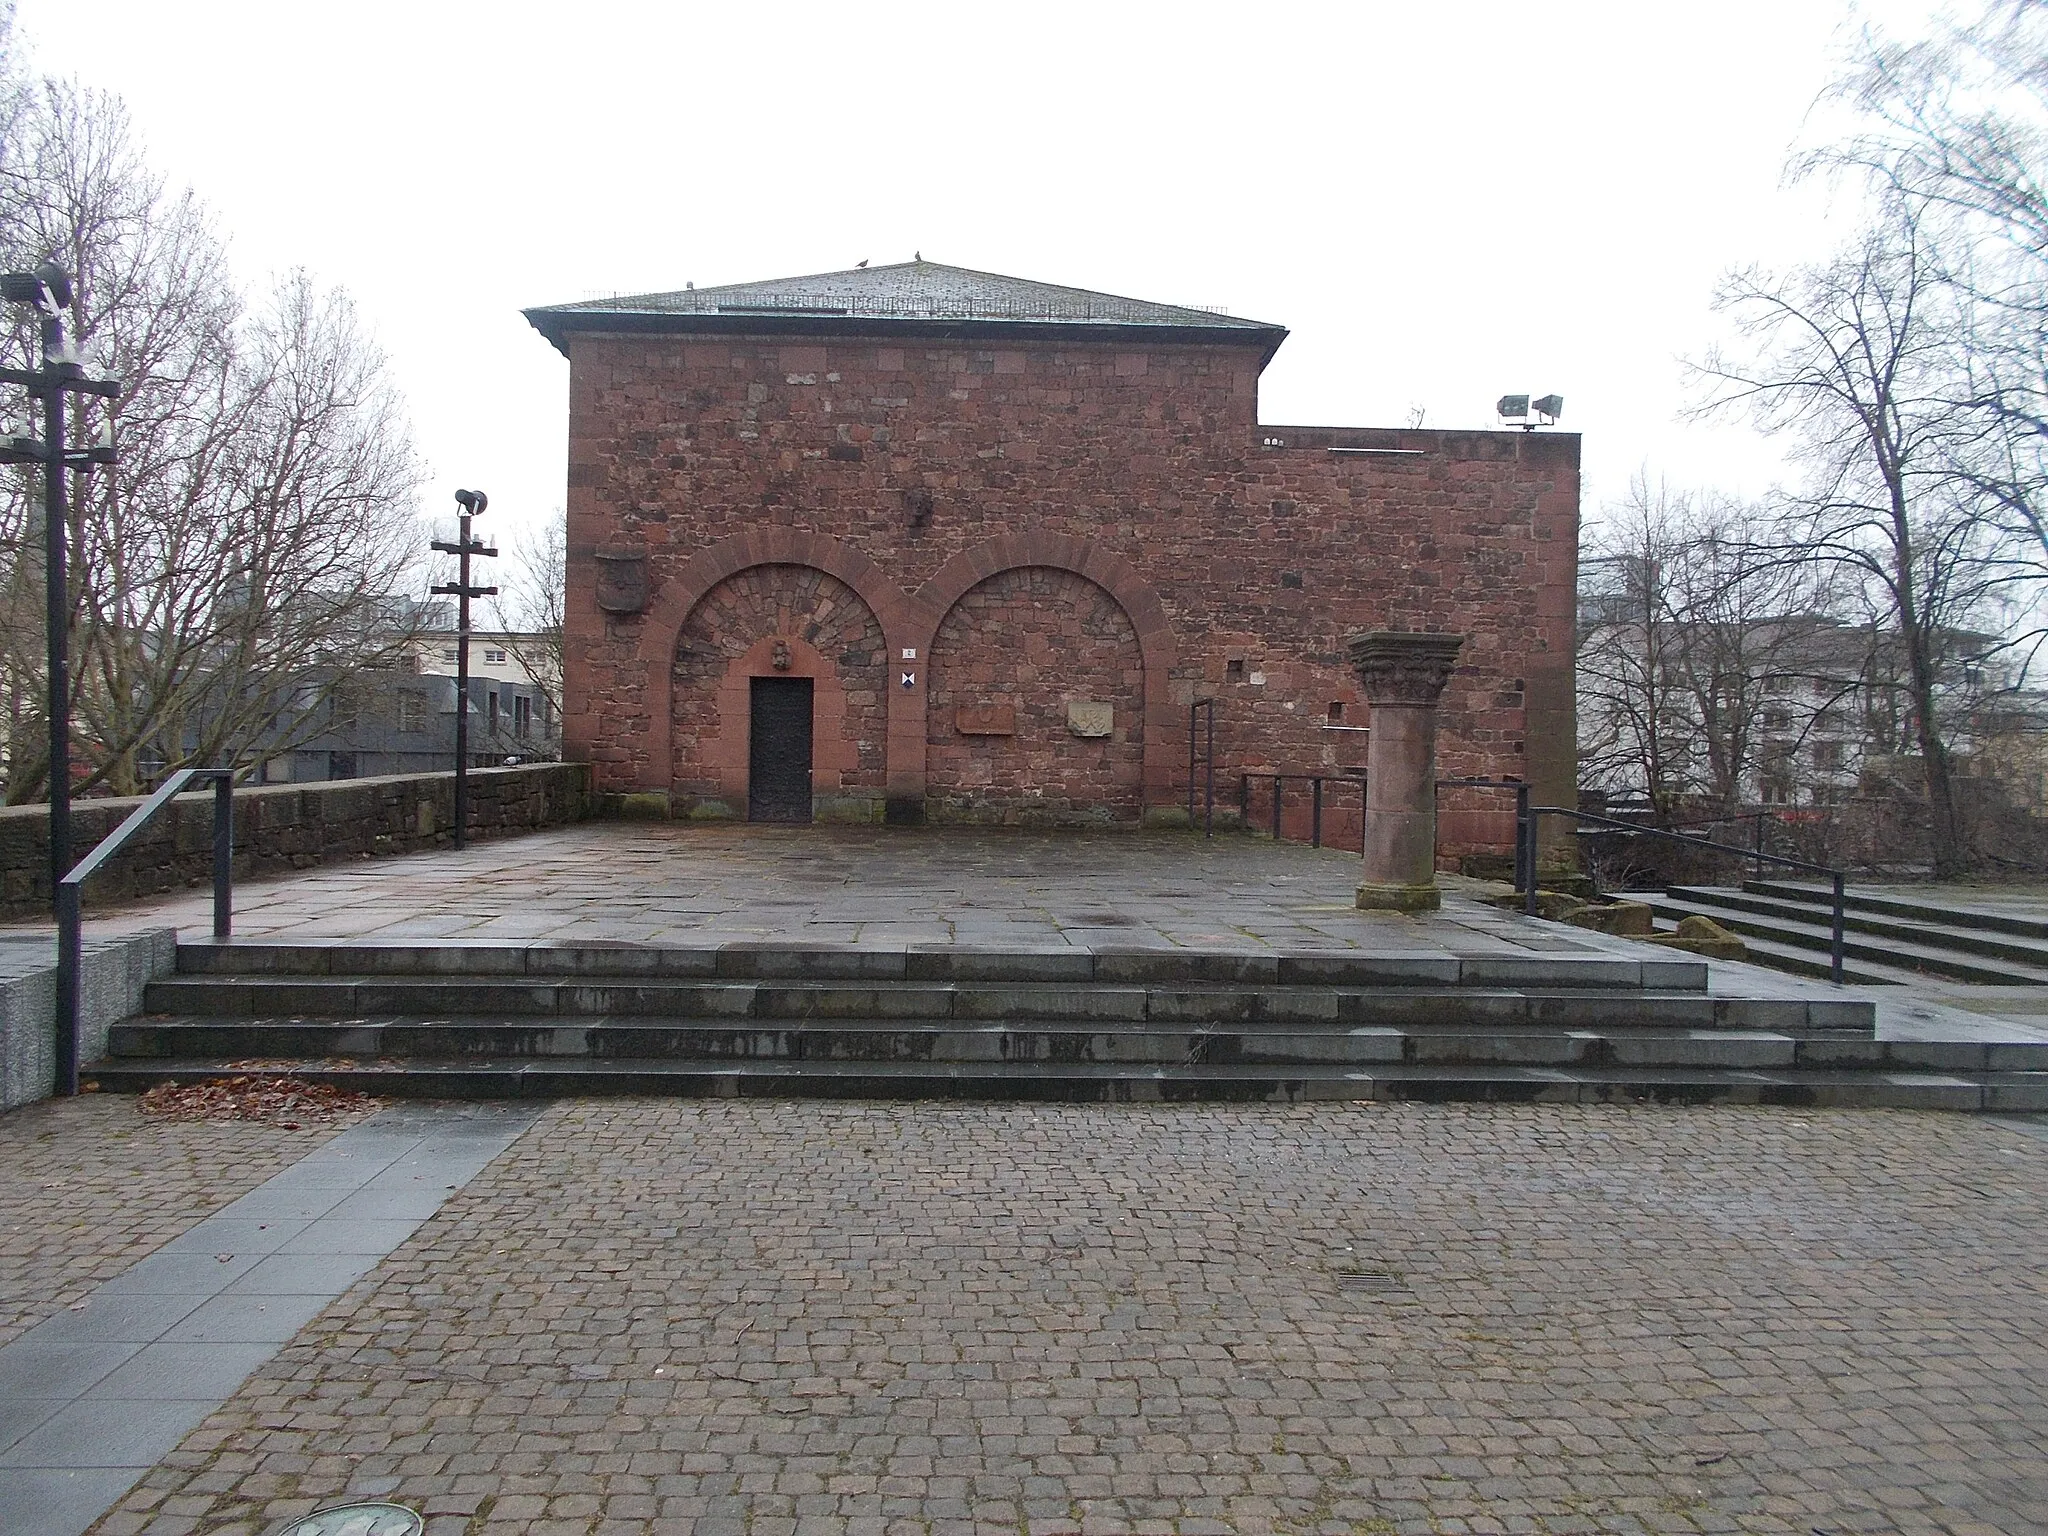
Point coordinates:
[[47, 291]]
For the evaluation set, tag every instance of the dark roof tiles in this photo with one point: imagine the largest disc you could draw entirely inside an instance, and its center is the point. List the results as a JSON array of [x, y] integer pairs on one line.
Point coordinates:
[[906, 296]]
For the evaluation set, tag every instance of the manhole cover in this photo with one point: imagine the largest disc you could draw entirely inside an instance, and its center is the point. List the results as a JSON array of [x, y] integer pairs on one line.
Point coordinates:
[[1368, 1280], [369, 1518]]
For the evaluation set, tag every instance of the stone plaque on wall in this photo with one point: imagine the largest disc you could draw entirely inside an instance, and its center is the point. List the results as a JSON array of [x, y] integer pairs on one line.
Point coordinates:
[[987, 720], [621, 580], [1090, 717]]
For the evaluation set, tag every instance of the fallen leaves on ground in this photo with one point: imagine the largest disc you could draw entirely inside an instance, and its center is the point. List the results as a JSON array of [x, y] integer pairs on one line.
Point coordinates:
[[288, 1102]]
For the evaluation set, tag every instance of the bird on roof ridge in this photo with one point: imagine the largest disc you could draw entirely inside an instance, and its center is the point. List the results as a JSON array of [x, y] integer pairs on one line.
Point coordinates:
[[861, 263]]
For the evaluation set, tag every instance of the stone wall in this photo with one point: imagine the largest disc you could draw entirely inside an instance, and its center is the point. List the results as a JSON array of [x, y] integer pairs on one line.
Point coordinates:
[[1242, 556], [283, 827], [112, 974]]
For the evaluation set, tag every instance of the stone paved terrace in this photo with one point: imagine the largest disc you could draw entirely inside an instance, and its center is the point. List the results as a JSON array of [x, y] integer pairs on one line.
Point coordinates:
[[680, 884], [656, 883], [804, 1319]]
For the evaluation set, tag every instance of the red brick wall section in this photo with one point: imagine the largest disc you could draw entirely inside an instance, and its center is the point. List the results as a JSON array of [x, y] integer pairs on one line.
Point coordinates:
[[1026, 644], [829, 634], [1260, 545]]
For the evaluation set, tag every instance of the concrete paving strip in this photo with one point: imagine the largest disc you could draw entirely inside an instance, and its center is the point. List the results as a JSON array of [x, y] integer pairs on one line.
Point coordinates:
[[95, 1396]]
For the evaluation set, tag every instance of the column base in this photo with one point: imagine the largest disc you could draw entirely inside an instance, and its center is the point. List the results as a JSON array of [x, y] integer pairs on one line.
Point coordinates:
[[1376, 896]]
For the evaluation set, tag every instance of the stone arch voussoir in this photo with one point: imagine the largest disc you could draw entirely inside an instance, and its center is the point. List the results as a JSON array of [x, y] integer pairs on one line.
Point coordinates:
[[680, 594], [1084, 558]]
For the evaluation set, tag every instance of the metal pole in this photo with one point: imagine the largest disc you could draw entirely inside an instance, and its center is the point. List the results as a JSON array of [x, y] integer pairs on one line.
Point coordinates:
[[1191, 762], [1244, 802], [69, 945], [224, 855], [1209, 804], [462, 690], [1276, 807], [1521, 824], [57, 612], [1835, 952], [1760, 843], [1315, 836], [1529, 856]]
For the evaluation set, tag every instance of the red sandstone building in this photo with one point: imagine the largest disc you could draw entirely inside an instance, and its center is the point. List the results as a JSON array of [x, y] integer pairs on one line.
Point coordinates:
[[920, 543]]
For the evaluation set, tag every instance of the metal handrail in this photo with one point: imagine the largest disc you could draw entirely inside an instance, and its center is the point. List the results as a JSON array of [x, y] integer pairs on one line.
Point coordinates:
[[1209, 753], [1525, 836], [1316, 781], [70, 937]]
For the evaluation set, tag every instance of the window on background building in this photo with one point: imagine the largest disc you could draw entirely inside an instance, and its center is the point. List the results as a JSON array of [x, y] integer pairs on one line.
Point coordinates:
[[522, 714], [491, 654], [412, 711], [1827, 755], [451, 653], [492, 705]]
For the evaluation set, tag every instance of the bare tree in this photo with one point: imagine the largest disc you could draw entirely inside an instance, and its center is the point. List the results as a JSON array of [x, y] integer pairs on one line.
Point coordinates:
[[530, 603], [1689, 625], [1853, 360], [246, 555], [1954, 127]]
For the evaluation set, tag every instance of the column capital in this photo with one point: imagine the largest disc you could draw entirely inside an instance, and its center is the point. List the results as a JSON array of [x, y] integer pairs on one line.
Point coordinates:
[[1397, 666]]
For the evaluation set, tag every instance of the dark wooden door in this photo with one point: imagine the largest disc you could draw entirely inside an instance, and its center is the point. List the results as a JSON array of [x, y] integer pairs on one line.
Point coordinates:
[[779, 749]]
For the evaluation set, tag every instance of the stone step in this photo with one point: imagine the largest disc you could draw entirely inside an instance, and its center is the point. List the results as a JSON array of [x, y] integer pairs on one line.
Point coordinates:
[[1797, 929], [765, 960], [1938, 913], [2011, 1092], [435, 997], [241, 1042], [1965, 942]]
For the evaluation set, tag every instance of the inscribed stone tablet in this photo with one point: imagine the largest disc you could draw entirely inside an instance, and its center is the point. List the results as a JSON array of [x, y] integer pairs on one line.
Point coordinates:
[[1090, 717]]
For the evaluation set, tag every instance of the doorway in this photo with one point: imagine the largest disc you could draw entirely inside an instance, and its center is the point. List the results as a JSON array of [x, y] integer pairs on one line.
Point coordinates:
[[779, 749]]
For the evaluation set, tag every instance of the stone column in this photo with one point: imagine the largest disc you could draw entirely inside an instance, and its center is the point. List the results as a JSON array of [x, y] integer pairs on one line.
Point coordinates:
[[1402, 676]]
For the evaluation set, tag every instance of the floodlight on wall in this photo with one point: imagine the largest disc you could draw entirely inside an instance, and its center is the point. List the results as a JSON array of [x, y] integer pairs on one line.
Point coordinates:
[[1529, 414]]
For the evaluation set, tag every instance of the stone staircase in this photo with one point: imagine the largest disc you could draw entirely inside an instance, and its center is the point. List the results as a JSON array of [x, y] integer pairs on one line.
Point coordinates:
[[520, 1020], [1886, 939]]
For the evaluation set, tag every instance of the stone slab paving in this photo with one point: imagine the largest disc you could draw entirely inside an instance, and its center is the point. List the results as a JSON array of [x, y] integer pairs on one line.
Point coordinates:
[[678, 884], [98, 1392], [89, 1185], [803, 1319]]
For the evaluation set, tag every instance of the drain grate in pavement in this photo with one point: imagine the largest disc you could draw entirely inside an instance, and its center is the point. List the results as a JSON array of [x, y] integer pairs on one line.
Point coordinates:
[[1369, 1280]]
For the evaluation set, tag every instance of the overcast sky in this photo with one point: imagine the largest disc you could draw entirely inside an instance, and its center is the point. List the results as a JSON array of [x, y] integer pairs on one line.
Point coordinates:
[[1443, 202]]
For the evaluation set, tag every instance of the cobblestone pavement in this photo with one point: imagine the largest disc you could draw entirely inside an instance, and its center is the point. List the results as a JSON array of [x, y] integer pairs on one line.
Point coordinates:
[[804, 1319], [89, 1185]]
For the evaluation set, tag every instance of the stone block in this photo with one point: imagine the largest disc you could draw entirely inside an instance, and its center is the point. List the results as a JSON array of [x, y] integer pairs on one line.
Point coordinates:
[[1376, 896], [1629, 919]]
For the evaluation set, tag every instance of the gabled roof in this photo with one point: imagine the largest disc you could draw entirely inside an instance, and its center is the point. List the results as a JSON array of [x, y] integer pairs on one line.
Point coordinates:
[[911, 298]]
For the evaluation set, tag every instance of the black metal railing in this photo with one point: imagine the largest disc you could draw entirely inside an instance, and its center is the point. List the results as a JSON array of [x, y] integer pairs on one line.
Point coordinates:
[[70, 936], [1208, 707], [1528, 816], [1315, 781], [1760, 824]]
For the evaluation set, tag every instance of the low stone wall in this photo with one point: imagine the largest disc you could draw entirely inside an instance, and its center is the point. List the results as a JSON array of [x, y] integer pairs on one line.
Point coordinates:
[[283, 827], [111, 976]]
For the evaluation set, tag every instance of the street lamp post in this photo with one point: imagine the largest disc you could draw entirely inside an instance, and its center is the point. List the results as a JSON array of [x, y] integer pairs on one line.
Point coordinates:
[[472, 504], [47, 290]]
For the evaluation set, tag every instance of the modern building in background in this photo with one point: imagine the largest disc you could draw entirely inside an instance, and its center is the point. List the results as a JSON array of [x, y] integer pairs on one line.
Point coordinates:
[[402, 719]]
